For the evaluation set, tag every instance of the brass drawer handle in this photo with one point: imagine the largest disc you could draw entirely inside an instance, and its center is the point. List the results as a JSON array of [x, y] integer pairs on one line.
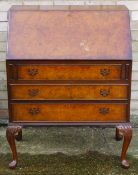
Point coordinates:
[[104, 111], [33, 92], [104, 92], [34, 111], [32, 72], [105, 72]]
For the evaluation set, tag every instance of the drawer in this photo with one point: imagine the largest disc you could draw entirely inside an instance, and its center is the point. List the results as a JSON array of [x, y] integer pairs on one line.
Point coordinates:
[[68, 112], [68, 92], [69, 72]]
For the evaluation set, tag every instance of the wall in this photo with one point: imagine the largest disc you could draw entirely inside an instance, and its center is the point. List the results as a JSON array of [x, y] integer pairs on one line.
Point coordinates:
[[132, 6]]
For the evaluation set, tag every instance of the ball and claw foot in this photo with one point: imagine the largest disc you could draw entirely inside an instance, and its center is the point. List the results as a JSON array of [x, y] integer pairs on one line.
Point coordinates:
[[125, 164], [13, 164]]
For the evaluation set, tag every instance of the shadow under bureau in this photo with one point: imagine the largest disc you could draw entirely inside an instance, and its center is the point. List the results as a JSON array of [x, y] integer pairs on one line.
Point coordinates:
[[69, 66]]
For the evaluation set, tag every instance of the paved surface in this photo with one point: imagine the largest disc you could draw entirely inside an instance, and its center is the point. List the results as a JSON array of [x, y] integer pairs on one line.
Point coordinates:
[[69, 140]]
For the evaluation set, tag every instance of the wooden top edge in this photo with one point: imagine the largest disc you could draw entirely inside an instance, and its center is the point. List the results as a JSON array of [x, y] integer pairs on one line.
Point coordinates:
[[9, 57], [68, 7]]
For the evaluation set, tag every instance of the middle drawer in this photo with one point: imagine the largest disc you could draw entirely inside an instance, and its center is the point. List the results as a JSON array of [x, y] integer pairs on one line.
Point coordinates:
[[68, 92]]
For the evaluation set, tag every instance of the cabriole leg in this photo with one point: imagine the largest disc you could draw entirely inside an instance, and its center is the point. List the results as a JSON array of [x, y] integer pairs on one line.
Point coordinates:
[[12, 133], [118, 135], [18, 136], [124, 130]]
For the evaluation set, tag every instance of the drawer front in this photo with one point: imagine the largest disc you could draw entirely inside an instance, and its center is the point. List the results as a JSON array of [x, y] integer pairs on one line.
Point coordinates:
[[69, 72], [68, 112], [68, 92]]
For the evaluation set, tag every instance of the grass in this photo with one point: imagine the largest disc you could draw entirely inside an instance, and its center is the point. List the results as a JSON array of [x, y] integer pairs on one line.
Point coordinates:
[[90, 163]]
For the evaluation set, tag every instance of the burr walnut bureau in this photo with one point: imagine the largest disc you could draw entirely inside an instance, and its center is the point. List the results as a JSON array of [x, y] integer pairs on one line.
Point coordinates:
[[69, 65]]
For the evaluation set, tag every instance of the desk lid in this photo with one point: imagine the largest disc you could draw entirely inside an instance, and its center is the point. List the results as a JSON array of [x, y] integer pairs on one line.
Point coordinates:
[[69, 32]]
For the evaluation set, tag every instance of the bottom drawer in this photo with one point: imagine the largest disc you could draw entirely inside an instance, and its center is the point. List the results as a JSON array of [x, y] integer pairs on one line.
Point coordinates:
[[68, 112]]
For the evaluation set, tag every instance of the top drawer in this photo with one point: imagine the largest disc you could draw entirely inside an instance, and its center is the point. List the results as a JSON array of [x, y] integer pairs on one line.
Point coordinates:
[[66, 72]]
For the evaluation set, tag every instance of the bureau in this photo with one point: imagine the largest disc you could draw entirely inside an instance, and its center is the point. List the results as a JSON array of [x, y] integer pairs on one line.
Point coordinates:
[[69, 65]]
